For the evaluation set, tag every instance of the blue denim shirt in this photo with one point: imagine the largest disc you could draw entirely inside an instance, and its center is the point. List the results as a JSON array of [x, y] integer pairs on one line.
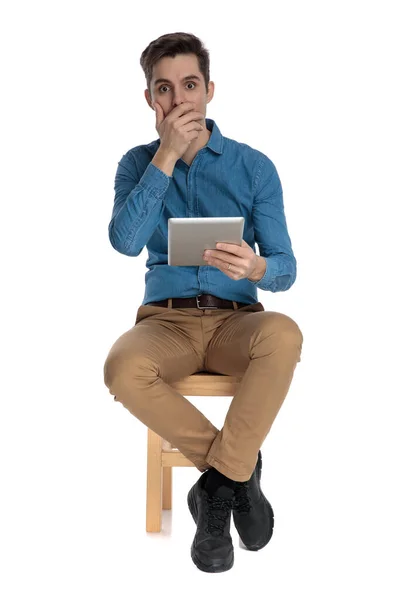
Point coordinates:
[[225, 179]]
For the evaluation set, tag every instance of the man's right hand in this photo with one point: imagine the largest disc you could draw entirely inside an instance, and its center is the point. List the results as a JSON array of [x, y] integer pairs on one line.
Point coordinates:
[[179, 128]]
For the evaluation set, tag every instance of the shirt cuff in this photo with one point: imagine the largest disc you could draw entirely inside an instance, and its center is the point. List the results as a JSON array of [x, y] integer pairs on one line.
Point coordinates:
[[263, 277], [155, 180]]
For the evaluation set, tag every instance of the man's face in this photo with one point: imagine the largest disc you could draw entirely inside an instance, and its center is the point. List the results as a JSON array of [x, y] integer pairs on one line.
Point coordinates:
[[171, 85]]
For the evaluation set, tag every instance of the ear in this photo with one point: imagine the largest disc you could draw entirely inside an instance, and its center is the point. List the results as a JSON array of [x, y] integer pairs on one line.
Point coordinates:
[[210, 93], [148, 98]]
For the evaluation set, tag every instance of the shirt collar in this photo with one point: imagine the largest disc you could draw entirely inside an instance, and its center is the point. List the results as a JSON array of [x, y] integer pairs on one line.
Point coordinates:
[[215, 142]]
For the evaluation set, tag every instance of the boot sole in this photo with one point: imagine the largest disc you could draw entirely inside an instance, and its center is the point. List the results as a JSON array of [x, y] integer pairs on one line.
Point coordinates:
[[219, 565]]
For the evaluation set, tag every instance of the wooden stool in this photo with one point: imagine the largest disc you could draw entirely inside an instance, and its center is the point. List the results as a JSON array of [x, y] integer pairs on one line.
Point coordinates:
[[162, 456]]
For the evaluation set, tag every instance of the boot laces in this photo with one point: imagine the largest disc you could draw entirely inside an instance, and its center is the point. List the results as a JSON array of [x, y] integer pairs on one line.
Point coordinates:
[[242, 503], [218, 510]]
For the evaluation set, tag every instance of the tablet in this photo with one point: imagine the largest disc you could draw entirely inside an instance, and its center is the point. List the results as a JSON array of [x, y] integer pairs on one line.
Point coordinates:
[[189, 237]]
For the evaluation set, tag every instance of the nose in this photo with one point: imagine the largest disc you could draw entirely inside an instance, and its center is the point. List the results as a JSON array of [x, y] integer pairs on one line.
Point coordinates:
[[177, 102]]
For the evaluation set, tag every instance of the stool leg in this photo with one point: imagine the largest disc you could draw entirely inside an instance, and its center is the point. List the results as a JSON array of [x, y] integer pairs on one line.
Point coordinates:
[[154, 482], [167, 488]]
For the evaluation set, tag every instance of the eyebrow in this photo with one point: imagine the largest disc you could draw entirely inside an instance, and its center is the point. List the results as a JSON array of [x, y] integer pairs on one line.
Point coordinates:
[[184, 79]]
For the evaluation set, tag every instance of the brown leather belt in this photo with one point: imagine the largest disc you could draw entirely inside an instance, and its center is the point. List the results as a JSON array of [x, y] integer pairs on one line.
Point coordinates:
[[201, 301]]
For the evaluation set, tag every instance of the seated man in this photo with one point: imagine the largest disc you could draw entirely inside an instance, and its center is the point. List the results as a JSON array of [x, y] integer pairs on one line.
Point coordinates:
[[205, 318]]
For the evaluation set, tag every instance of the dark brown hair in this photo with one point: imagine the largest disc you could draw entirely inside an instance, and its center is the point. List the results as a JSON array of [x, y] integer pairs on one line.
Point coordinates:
[[170, 45]]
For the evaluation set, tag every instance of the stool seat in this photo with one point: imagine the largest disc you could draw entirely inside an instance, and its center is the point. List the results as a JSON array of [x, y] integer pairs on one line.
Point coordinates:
[[162, 455]]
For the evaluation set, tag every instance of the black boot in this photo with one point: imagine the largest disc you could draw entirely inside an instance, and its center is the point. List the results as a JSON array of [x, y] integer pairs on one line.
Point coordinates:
[[212, 548], [252, 513]]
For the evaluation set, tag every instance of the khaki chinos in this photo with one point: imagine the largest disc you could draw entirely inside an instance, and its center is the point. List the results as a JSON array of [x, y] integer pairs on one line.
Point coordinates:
[[167, 344]]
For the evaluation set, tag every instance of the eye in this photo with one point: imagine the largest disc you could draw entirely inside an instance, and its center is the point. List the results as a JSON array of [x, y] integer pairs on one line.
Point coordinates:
[[165, 86]]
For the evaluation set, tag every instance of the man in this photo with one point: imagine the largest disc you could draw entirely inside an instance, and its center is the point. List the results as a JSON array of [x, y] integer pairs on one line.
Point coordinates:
[[204, 318]]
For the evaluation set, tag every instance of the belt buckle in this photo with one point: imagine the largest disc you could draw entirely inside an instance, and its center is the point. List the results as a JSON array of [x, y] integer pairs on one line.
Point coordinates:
[[198, 306]]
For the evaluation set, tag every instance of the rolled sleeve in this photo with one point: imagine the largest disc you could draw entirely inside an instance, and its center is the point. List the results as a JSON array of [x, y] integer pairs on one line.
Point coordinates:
[[270, 229]]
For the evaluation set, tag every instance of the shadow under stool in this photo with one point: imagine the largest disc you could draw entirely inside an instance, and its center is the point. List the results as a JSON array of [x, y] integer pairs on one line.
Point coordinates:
[[162, 456]]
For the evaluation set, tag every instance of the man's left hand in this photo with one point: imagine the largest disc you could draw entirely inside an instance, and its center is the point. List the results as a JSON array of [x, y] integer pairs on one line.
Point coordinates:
[[243, 259]]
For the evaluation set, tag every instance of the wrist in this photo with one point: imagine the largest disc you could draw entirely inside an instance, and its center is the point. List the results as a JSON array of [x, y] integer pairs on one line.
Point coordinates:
[[260, 269], [167, 154], [165, 161]]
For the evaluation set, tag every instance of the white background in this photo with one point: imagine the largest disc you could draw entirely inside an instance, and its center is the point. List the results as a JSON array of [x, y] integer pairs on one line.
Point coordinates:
[[313, 85]]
